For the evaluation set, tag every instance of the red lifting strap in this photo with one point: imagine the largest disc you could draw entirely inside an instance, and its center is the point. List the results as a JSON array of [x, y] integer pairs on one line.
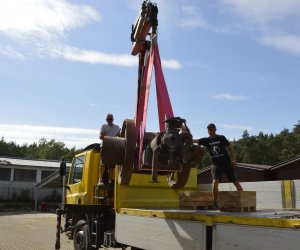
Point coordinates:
[[163, 101]]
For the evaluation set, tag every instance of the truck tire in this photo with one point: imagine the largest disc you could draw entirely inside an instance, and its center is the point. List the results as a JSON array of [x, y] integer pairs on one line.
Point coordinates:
[[81, 237]]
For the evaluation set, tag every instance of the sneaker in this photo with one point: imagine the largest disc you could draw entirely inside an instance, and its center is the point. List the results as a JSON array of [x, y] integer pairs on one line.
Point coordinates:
[[214, 207]]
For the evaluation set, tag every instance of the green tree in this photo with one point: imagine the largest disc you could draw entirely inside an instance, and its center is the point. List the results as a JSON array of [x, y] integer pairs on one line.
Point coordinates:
[[50, 150]]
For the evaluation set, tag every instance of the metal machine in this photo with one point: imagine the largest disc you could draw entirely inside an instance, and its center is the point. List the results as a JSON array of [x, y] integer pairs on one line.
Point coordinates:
[[170, 151]]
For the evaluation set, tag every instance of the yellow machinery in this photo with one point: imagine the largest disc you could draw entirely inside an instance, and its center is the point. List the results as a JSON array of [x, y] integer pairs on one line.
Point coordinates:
[[90, 210], [146, 215]]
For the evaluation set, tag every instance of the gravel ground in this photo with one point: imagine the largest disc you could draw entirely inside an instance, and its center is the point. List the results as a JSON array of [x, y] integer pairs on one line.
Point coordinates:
[[33, 231]]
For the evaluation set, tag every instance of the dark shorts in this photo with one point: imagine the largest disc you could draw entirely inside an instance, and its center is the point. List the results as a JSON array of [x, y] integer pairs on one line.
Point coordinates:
[[219, 170]]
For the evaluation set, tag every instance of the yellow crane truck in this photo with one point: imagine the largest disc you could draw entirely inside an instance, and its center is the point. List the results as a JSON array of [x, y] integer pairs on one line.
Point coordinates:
[[146, 215], [141, 209]]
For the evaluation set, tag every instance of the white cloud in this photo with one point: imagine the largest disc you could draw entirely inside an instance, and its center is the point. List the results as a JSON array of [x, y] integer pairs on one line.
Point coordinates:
[[171, 64], [12, 53], [192, 18], [40, 24], [96, 57], [93, 57], [290, 44], [272, 23], [21, 134], [265, 10], [44, 19], [36, 25], [236, 126], [230, 97]]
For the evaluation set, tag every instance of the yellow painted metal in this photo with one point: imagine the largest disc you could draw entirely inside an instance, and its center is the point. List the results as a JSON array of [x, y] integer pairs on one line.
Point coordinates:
[[258, 221], [288, 194], [168, 214], [82, 192], [142, 193], [212, 218]]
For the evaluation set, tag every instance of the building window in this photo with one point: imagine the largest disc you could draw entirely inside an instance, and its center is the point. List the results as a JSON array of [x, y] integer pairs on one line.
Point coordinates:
[[46, 173], [5, 174], [76, 172], [25, 175]]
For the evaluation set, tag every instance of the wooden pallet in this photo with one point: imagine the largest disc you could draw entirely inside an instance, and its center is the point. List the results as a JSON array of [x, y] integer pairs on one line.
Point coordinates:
[[195, 200], [237, 201]]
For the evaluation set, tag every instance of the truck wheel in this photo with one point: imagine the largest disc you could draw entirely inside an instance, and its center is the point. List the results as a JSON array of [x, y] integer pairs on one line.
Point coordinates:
[[81, 236], [125, 170]]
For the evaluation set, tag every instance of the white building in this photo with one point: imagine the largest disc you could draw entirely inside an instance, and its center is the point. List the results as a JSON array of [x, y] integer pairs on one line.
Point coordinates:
[[20, 176]]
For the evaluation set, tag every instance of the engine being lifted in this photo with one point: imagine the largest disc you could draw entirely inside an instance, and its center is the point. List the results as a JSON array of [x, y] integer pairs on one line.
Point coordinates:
[[169, 150], [170, 153]]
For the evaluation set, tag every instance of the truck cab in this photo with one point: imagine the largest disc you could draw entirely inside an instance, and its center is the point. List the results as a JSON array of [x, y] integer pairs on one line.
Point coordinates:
[[83, 177]]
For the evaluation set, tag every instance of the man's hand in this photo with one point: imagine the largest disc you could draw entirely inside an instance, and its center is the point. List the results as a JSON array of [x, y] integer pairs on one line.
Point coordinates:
[[101, 135], [233, 163]]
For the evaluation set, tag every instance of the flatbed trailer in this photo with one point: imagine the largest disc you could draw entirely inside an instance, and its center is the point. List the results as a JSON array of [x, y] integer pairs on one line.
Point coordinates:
[[199, 229], [147, 215]]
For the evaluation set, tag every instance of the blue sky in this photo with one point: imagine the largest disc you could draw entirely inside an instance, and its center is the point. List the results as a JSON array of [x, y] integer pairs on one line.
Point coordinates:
[[66, 64]]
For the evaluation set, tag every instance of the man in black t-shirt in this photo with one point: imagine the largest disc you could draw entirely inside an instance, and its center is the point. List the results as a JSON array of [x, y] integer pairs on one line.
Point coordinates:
[[218, 147]]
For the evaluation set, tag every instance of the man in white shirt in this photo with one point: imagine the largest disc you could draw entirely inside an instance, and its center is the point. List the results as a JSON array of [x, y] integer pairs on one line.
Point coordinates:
[[108, 129]]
